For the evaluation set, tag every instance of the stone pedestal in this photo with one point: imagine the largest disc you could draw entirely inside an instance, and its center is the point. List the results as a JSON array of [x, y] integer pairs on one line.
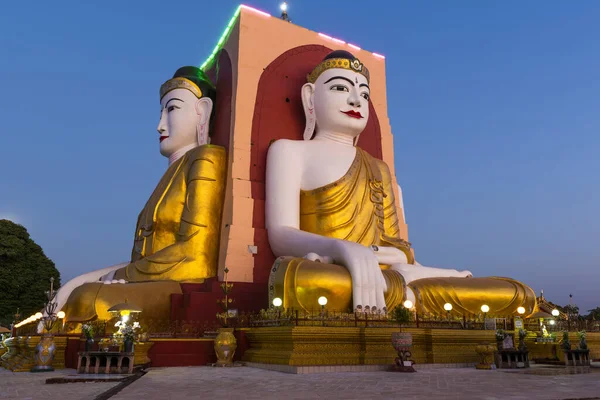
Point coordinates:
[[101, 362], [512, 359], [577, 361]]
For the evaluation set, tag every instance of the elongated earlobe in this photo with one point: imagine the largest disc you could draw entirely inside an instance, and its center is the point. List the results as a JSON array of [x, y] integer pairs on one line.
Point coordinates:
[[204, 107], [307, 95]]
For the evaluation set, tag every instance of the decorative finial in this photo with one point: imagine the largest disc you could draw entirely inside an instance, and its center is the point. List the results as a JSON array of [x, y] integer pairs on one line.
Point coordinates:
[[284, 15]]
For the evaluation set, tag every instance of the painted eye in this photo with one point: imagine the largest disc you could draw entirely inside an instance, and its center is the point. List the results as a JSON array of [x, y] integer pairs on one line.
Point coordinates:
[[339, 88], [366, 96], [171, 108]]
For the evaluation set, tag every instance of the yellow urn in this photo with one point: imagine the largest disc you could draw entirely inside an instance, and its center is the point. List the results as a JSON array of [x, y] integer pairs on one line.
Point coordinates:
[[225, 345], [486, 355]]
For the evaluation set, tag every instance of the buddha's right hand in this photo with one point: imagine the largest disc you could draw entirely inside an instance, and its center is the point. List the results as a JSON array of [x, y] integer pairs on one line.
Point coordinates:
[[368, 283]]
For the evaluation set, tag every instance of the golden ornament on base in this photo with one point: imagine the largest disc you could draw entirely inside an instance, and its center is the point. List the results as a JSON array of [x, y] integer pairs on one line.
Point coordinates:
[[225, 345], [486, 355]]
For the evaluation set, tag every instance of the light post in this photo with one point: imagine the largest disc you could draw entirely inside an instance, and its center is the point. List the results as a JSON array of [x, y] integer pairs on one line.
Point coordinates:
[[322, 301], [448, 308], [485, 309], [555, 314], [17, 320], [409, 306], [521, 311], [277, 302]]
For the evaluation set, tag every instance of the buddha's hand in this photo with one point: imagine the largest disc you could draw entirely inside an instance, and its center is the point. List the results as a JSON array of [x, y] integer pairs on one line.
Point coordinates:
[[368, 283]]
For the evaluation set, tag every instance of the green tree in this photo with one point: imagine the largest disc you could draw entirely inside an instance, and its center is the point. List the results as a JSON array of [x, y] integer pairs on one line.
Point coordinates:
[[594, 314], [25, 273]]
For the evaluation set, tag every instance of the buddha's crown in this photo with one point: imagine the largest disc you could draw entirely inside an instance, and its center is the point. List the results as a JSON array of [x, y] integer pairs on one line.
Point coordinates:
[[180, 83], [344, 63]]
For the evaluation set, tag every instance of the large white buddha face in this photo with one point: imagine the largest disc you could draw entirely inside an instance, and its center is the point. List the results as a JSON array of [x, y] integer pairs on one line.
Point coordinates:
[[182, 116], [340, 99]]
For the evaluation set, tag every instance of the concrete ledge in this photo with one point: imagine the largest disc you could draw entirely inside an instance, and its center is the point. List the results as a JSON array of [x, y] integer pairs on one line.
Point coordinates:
[[320, 369]]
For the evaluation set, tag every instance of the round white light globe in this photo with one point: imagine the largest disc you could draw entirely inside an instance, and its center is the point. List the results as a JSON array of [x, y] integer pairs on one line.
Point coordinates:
[[322, 300], [61, 314], [485, 308], [277, 302], [408, 304], [283, 6], [448, 307], [555, 312], [552, 322], [521, 310], [38, 315]]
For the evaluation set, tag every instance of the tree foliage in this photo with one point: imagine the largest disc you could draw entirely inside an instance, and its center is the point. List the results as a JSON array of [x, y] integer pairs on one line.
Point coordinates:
[[25, 273], [594, 314]]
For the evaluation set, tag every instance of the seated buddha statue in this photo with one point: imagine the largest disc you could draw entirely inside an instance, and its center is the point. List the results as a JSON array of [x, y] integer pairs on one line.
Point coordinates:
[[332, 220], [177, 233]]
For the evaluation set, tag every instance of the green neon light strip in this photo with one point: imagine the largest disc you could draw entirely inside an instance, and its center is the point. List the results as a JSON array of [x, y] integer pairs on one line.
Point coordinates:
[[210, 58], [225, 34]]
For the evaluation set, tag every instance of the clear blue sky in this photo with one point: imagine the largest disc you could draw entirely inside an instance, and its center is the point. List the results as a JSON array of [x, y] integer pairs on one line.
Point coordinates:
[[494, 108]]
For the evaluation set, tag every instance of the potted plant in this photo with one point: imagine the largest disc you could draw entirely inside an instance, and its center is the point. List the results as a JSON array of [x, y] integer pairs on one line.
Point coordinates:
[[402, 341], [566, 344], [129, 337], [500, 335], [522, 336], [88, 332], [582, 340]]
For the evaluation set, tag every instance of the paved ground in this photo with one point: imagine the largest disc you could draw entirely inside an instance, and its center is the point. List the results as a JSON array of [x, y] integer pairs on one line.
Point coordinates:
[[27, 385], [249, 383], [457, 383]]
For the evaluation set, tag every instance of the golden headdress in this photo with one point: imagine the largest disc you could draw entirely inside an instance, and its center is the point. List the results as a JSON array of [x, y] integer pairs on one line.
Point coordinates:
[[192, 79], [339, 59], [180, 83]]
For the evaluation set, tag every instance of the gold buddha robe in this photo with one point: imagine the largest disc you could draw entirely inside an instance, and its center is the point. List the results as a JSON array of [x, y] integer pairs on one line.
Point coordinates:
[[176, 240], [360, 207]]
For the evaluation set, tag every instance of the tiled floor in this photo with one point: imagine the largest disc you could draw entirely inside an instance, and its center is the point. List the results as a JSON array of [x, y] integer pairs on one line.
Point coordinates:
[[252, 383], [450, 383], [27, 385]]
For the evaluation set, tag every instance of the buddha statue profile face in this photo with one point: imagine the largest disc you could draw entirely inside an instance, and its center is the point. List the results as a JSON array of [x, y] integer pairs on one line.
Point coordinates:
[[185, 108], [336, 97]]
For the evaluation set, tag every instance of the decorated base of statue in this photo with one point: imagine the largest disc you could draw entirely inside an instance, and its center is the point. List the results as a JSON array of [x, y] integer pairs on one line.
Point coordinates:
[[402, 342], [44, 354]]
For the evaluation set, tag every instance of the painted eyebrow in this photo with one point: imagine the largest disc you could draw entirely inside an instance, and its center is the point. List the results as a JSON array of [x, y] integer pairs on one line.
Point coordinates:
[[339, 77], [174, 98], [365, 85]]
